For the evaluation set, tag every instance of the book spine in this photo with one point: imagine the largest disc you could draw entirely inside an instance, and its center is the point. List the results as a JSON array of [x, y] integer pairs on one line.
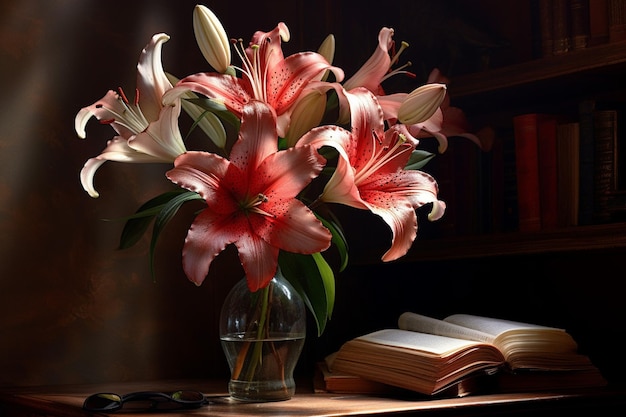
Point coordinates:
[[579, 18], [598, 22], [561, 27], [567, 164], [545, 27], [510, 213], [617, 20], [586, 159], [548, 181], [605, 138], [527, 172]]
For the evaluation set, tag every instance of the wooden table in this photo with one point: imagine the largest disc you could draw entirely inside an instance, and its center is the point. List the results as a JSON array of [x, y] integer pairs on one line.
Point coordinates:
[[67, 401]]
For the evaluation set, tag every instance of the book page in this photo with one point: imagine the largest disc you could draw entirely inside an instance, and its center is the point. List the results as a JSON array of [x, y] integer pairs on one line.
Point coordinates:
[[492, 326], [429, 343], [418, 323]]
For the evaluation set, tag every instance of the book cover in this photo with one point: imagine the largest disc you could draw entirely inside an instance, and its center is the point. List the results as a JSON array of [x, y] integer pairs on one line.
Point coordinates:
[[567, 165], [617, 20], [579, 27], [548, 180], [527, 171], [605, 164], [585, 162], [598, 22], [560, 27], [545, 27]]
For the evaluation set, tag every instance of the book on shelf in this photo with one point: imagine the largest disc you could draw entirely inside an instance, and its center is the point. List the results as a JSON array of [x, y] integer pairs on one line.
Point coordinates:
[[569, 25], [568, 171], [617, 20], [545, 27], [579, 23], [605, 163], [561, 41], [586, 109], [599, 161], [527, 171], [598, 22], [548, 171], [429, 355]]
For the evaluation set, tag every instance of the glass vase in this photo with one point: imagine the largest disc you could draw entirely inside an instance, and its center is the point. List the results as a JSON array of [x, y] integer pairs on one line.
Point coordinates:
[[262, 335]]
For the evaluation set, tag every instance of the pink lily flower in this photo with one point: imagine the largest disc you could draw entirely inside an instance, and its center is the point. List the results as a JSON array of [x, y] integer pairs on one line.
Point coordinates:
[[251, 200], [370, 171], [146, 130], [267, 76]]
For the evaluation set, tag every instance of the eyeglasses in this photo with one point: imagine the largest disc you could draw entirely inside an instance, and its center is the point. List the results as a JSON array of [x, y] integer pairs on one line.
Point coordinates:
[[144, 401]]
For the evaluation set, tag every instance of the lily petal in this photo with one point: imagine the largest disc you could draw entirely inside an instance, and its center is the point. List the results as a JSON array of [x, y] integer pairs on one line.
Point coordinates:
[[375, 68]]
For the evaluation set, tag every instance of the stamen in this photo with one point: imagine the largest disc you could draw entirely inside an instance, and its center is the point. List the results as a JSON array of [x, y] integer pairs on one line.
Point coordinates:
[[121, 93], [251, 69], [395, 57], [253, 205], [383, 156]]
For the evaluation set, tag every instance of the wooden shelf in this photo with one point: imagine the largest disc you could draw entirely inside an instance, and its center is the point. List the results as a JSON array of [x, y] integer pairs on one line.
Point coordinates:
[[589, 71], [604, 58], [580, 238]]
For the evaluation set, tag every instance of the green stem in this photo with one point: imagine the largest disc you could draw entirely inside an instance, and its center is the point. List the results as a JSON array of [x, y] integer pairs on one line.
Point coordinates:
[[257, 350]]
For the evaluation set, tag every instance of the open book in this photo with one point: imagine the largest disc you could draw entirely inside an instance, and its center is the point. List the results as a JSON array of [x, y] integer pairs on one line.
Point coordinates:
[[429, 355]]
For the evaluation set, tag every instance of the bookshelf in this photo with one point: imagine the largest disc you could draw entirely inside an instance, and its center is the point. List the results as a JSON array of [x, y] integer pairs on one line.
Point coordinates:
[[554, 84]]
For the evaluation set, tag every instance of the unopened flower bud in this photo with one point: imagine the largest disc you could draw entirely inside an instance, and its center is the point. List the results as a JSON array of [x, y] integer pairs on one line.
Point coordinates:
[[211, 38], [421, 103], [307, 114], [327, 48]]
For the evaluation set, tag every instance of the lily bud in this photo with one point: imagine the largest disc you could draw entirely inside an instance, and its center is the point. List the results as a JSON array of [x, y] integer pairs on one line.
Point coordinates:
[[307, 114], [211, 38], [327, 48], [421, 103]]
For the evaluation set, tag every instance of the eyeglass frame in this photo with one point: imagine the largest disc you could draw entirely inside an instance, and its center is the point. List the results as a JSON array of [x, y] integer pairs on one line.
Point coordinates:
[[155, 398]]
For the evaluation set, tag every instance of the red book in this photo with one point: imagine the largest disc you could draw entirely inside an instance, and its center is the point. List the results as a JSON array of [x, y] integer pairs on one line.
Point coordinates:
[[548, 181], [527, 171]]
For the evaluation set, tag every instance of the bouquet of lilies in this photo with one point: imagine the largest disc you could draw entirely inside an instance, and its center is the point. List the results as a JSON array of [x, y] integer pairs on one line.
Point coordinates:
[[305, 139]]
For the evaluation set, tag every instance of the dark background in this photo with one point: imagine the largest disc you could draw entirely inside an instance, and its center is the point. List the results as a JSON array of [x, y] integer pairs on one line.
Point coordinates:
[[74, 309]]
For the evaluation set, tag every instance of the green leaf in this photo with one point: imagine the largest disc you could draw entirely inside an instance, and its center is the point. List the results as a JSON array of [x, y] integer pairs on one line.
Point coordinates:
[[314, 280], [419, 158], [137, 224], [338, 239], [167, 212]]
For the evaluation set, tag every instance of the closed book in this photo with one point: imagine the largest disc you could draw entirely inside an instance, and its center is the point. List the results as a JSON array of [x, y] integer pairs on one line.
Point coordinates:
[[527, 171], [586, 109], [598, 22], [617, 20], [548, 181], [604, 169], [579, 23], [567, 164], [545, 27], [561, 27]]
